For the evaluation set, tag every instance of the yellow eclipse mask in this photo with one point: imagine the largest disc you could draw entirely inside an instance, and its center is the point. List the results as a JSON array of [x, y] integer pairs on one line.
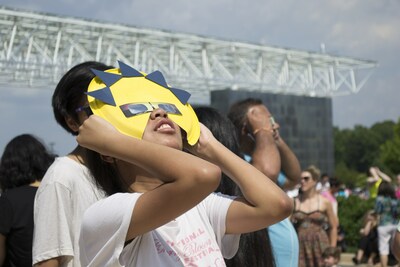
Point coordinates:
[[125, 97]]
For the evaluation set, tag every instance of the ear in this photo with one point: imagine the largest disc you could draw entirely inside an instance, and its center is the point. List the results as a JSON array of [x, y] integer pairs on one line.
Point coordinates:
[[72, 124], [107, 159]]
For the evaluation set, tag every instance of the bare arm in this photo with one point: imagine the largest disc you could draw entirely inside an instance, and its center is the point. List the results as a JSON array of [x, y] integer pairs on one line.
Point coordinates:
[[396, 245], [55, 262], [265, 156], [182, 187], [367, 228], [289, 164], [383, 175], [374, 173], [2, 249], [264, 203], [333, 222]]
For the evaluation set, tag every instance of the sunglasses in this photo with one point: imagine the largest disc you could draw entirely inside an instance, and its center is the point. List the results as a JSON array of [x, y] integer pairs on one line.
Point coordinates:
[[306, 178], [86, 109], [133, 109]]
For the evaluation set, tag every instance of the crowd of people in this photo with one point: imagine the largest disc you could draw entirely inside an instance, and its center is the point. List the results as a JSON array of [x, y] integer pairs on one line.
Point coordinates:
[[154, 182]]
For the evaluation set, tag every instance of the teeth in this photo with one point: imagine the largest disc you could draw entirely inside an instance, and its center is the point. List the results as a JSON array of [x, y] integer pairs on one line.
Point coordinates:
[[164, 126]]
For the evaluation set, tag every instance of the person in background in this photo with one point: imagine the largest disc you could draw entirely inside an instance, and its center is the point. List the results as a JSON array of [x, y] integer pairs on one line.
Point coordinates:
[[368, 244], [266, 150], [313, 217], [67, 188], [396, 243], [255, 248], [330, 193], [398, 186], [375, 179], [387, 207], [331, 257], [24, 161], [323, 184]]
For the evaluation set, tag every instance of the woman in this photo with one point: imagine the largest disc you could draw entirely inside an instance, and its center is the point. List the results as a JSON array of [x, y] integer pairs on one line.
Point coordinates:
[[23, 164], [312, 215], [387, 207], [161, 211], [368, 244], [255, 248]]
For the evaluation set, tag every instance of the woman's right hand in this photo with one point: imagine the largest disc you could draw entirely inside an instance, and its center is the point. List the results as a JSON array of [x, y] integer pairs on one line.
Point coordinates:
[[258, 118], [96, 134], [202, 147]]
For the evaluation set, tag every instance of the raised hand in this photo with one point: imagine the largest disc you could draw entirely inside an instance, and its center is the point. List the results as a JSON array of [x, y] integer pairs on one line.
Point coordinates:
[[97, 134], [202, 147]]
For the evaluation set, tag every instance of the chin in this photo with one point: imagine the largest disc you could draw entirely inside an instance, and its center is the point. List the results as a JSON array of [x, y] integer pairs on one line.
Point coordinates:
[[172, 144]]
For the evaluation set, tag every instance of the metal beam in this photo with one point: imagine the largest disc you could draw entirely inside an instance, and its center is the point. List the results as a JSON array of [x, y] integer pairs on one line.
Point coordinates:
[[37, 49]]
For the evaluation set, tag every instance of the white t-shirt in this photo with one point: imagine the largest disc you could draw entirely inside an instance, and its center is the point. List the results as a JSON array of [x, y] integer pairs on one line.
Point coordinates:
[[65, 192], [196, 238]]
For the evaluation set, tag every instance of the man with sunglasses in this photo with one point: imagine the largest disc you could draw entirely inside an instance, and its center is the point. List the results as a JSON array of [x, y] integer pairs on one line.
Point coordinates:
[[265, 149]]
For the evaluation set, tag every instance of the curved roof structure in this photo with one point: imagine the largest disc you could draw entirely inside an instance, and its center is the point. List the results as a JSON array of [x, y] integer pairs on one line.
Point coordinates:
[[37, 49]]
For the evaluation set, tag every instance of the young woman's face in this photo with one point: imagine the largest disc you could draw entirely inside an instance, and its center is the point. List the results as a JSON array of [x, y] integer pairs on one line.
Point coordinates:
[[307, 182], [162, 131]]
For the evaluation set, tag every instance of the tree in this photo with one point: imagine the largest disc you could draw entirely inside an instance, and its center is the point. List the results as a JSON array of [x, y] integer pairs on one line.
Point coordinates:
[[390, 151]]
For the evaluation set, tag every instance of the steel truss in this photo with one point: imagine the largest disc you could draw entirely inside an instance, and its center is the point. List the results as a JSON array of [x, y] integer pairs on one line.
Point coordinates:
[[37, 49]]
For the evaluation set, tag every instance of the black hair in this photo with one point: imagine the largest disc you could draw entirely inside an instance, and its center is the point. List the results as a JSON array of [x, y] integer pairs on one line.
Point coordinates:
[[25, 160], [334, 182], [254, 248], [105, 174], [386, 189], [224, 131], [67, 97], [70, 91]]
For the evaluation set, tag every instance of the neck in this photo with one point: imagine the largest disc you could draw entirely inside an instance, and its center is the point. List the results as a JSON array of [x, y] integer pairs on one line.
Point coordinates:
[[144, 184], [78, 155], [137, 179], [310, 193]]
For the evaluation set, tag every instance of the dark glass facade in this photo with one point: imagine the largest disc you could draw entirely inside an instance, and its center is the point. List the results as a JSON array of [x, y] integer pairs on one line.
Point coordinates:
[[306, 123]]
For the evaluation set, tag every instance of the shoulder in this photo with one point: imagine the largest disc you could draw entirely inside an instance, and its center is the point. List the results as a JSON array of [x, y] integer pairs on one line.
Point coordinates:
[[117, 204], [324, 201], [109, 214], [65, 171]]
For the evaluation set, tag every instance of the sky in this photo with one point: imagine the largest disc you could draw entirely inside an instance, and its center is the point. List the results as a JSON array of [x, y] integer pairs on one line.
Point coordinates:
[[363, 29]]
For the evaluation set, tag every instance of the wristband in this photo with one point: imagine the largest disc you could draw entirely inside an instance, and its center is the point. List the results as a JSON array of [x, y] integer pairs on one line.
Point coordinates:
[[261, 129]]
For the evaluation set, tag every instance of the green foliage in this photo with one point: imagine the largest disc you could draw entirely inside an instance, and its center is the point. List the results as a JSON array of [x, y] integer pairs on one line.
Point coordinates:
[[390, 151], [356, 150], [350, 177], [351, 213]]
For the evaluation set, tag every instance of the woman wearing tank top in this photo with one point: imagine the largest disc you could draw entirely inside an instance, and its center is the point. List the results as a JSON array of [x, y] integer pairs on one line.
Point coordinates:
[[314, 220]]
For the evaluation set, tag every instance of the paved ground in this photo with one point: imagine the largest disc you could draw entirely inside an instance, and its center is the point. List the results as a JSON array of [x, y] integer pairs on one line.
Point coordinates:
[[345, 261]]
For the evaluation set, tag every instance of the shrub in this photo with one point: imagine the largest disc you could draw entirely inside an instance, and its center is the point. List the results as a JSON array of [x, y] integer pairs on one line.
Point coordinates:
[[351, 213]]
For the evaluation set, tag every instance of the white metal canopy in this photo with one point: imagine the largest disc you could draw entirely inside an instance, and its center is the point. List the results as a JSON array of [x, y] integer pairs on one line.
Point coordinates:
[[37, 49]]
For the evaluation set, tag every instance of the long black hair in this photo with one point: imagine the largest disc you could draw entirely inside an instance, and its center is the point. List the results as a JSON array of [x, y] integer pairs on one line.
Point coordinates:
[[25, 160], [255, 248], [67, 97]]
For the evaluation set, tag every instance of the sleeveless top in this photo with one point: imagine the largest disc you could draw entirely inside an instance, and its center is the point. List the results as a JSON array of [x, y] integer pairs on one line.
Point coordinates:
[[315, 219], [313, 239]]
